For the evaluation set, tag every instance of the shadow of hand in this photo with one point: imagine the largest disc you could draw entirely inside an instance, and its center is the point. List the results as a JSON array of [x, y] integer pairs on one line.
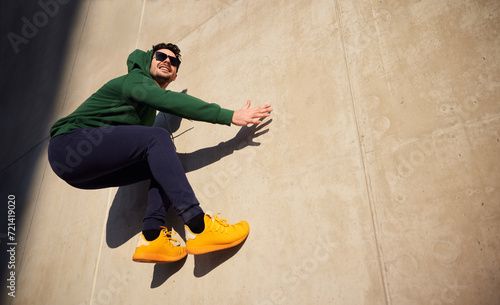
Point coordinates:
[[245, 137], [206, 156]]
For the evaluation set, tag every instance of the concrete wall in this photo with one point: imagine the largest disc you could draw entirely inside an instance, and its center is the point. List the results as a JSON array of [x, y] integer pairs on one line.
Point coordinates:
[[376, 180]]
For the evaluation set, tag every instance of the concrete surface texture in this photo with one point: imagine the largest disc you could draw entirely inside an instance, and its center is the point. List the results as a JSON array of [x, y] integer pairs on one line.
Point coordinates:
[[375, 181]]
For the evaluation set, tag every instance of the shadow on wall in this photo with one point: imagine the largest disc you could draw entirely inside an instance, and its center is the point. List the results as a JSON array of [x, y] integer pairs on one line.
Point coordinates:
[[34, 37], [129, 204]]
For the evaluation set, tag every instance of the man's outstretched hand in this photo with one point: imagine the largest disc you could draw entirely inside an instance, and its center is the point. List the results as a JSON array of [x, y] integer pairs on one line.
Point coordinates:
[[247, 115]]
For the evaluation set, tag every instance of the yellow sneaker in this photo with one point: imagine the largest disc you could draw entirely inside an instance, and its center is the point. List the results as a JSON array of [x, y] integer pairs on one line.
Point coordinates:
[[164, 249], [218, 235]]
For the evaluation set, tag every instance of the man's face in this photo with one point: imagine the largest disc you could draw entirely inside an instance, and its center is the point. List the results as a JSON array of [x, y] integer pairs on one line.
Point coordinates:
[[163, 72]]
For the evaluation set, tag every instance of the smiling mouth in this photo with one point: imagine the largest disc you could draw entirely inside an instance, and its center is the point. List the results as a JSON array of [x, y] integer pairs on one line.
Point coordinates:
[[163, 68]]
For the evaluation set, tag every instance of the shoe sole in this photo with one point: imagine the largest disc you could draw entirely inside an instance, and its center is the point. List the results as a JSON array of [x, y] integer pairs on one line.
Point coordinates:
[[155, 258], [213, 248]]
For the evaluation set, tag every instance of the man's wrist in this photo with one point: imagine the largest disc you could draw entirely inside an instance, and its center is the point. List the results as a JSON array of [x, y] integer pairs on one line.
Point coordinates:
[[225, 116]]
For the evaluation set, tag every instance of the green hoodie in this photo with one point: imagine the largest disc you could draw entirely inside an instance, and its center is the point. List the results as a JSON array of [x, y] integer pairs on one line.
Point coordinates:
[[133, 99]]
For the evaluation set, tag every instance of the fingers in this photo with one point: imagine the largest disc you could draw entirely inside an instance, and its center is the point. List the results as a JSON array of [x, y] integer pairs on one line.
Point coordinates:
[[263, 109], [267, 109], [260, 112], [247, 115], [257, 119], [265, 112]]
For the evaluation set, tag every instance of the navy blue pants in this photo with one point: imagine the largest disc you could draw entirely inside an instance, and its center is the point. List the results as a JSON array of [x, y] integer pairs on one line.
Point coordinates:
[[94, 158]]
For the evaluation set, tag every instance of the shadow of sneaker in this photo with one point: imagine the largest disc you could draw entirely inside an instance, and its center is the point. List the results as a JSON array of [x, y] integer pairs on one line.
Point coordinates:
[[162, 272], [205, 263]]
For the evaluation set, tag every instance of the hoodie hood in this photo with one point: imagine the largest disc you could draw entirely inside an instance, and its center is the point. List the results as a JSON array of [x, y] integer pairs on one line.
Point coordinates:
[[140, 60]]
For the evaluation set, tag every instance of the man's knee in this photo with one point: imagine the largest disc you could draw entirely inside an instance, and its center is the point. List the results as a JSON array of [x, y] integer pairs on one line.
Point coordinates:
[[160, 133]]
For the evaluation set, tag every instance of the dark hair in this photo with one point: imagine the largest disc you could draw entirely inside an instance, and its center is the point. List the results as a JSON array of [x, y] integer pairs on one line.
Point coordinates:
[[169, 46]]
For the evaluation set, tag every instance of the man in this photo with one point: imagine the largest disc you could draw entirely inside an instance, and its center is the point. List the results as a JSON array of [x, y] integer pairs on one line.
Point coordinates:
[[108, 141]]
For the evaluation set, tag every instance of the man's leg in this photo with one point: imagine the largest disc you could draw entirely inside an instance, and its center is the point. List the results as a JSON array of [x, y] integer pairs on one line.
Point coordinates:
[[156, 211], [121, 155], [114, 156]]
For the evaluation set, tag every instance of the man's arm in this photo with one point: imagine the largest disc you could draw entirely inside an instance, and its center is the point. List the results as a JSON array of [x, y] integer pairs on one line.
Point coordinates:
[[142, 89]]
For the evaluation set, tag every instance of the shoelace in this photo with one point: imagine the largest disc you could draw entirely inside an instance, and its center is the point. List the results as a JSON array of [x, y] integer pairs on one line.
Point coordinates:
[[219, 224], [168, 234]]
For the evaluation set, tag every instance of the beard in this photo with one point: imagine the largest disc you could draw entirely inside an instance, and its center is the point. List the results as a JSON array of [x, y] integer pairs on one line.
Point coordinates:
[[161, 79]]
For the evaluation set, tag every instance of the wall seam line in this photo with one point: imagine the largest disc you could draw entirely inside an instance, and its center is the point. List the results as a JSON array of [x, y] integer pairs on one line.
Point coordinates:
[[140, 24], [109, 200], [65, 98], [63, 104], [103, 234], [368, 188]]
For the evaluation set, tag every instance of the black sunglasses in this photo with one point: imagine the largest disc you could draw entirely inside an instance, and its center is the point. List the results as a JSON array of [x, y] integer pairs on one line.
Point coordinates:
[[162, 57]]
